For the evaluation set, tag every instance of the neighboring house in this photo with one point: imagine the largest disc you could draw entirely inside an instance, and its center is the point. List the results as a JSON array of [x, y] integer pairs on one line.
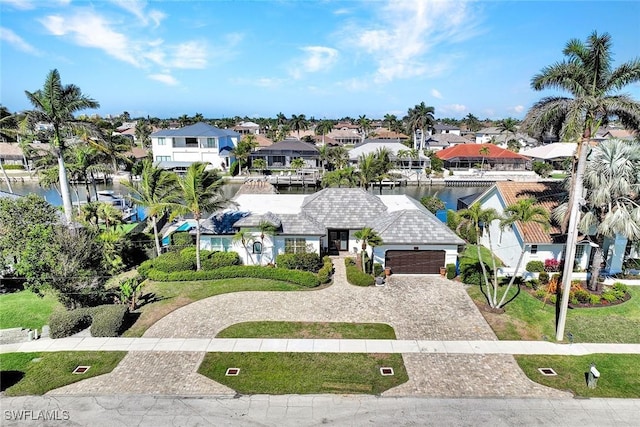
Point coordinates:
[[373, 145], [280, 154], [199, 142], [345, 136], [384, 133], [441, 128], [495, 136], [247, 128], [539, 244], [555, 154], [12, 154], [415, 241], [471, 156], [440, 141]]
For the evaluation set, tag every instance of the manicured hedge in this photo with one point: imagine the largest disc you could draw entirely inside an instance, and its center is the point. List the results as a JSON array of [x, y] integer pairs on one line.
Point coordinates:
[[302, 278], [325, 273], [65, 323], [304, 261], [108, 320], [451, 271], [535, 266], [185, 260], [214, 260], [355, 276]]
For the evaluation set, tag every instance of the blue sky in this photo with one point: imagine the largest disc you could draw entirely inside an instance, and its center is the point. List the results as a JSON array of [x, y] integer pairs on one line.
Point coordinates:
[[326, 59]]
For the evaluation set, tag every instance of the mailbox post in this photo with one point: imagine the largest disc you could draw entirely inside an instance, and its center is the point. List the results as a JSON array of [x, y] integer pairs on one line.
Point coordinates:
[[592, 376]]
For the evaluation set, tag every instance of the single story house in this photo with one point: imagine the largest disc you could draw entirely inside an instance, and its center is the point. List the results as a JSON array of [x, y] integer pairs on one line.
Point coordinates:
[[487, 156], [555, 154], [403, 163], [280, 154], [415, 241], [440, 141], [199, 142], [539, 244]]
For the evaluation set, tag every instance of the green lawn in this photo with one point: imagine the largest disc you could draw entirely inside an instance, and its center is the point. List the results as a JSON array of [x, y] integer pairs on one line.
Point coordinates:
[[25, 309], [309, 330], [48, 371], [166, 297], [527, 318], [619, 373], [305, 373]]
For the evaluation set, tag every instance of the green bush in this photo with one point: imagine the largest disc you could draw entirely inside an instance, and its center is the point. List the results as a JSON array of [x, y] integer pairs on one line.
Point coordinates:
[[609, 295], [234, 168], [66, 323], [582, 296], [13, 167], [181, 239], [108, 320], [553, 299], [214, 260], [302, 278], [594, 299], [377, 269], [349, 262], [301, 261], [535, 266], [451, 271], [324, 274], [357, 277], [173, 261], [471, 272], [544, 278], [620, 287], [540, 293]]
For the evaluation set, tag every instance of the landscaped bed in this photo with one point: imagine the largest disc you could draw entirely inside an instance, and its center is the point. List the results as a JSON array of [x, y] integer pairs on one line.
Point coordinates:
[[38, 373], [305, 373], [619, 373], [317, 330]]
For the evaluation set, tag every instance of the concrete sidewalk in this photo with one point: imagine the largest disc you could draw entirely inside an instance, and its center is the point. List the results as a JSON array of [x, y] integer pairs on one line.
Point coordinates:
[[315, 346]]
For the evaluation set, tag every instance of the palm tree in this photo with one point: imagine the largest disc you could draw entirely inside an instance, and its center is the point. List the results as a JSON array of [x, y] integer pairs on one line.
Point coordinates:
[[508, 126], [365, 125], [243, 150], [299, 123], [472, 122], [56, 103], [420, 118], [339, 157], [484, 151], [323, 128], [158, 188], [368, 237], [297, 163], [367, 169], [478, 219], [244, 237], [259, 164], [266, 229], [108, 213], [588, 76], [522, 212], [612, 181], [401, 155], [281, 119], [143, 133], [201, 192], [390, 120]]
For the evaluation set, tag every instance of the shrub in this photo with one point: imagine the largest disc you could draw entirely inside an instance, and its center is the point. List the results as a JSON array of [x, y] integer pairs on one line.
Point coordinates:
[[174, 261], [65, 323], [359, 278], [302, 278], [551, 264], [594, 299], [553, 299], [544, 278], [620, 287], [349, 262], [377, 269], [214, 260], [609, 295], [540, 293], [108, 320], [582, 296], [471, 272], [432, 203], [451, 271], [324, 274], [181, 239], [535, 266], [300, 261]]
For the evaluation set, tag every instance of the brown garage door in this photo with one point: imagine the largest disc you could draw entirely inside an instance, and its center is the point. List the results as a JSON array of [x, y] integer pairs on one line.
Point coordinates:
[[415, 262]]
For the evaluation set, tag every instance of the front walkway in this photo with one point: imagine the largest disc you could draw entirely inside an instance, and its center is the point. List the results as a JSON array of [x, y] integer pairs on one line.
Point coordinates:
[[447, 346]]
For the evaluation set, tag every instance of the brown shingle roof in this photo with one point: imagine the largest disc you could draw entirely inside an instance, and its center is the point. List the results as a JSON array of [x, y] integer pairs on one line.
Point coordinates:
[[548, 195]]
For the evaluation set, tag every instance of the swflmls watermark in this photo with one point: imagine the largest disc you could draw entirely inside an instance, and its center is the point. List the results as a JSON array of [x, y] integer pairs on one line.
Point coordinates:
[[31, 415]]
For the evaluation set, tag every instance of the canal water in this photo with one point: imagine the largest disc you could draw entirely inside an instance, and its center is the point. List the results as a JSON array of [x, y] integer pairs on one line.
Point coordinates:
[[449, 195]]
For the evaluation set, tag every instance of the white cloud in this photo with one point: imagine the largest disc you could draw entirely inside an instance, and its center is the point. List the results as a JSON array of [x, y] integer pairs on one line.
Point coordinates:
[[407, 31], [436, 93], [9, 37], [137, 8], [316, 59], [265, 82], [454, 108], [89, 29], [19, 4], [167, 79], [518, 108], [191, 54]]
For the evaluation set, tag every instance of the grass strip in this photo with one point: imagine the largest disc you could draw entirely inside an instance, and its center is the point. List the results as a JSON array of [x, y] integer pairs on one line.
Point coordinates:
[[39, 373], [319, 330], [619, 373], [305, 373], [25, 309]]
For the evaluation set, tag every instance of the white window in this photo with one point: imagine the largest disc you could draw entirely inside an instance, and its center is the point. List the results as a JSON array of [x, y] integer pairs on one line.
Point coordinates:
[[295, 246], [163, 158], [161, 140], [212, 143], [220, 244]]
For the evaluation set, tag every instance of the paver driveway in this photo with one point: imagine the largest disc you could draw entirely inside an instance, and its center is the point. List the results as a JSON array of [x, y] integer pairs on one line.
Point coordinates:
[[417, 307]]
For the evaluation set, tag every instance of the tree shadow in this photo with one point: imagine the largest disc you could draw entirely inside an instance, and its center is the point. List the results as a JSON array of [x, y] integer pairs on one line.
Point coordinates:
[[10, 378]]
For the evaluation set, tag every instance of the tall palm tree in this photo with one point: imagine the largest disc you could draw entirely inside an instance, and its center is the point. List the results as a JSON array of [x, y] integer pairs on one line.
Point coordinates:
[[421, 117], [143, 133], [156, 191], [478, 219], [365, 125], [266, 229], [484, 151], [323, 128], [244, 149], [612, 201], [522, 212], [201, 193], [339, 157], [472, 122], [390, 120], [509, 126], [244, 237], [108, 213], [297, 163], [367, 169], [299, 123], [56, 103], [587, 75], [368, 237]]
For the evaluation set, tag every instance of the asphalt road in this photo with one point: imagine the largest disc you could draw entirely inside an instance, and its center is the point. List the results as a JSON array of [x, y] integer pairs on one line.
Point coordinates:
[[312, 410]]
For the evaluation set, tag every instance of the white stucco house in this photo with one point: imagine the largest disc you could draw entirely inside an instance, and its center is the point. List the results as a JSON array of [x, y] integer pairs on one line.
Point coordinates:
[[402, 163], [415, 241], [539, 244], [199, 142]]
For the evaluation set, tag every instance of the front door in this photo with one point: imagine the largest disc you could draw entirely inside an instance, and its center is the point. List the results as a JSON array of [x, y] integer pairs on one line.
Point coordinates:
[[338, 240]]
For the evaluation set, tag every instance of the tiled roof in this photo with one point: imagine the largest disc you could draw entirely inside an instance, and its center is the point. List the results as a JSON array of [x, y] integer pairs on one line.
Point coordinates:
[[548, 195], [254, 220], [473, 151], [552, 151], [351, 208], [196, 130], [290, 145], [301, 224], [222, 222], [414, 227]]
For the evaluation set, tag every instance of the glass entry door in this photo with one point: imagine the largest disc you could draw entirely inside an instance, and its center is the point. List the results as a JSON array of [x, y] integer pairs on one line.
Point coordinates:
[[338, 240]]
